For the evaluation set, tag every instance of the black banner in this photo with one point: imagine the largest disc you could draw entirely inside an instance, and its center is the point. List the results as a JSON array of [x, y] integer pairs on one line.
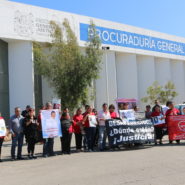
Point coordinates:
[[125, 132]]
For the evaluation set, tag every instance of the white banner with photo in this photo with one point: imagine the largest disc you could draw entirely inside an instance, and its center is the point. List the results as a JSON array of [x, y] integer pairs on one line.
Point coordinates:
[[92, 120], [127, 114], [51, 126]]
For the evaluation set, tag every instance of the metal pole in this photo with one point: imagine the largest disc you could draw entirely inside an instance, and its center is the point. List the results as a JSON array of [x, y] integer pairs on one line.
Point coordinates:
[[107, 79]]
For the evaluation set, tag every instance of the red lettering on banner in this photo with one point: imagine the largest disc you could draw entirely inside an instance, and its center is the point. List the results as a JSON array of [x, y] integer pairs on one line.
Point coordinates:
[[176, 127]]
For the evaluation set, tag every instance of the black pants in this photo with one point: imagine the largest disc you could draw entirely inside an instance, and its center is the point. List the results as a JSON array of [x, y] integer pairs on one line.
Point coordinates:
[[66, 142], [1, 143], [90, 135], [48, 146], [158, 133], [31, 145], [78, 139]]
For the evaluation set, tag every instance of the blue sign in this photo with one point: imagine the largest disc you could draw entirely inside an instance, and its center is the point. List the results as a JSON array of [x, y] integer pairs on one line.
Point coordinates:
[[133, 40]]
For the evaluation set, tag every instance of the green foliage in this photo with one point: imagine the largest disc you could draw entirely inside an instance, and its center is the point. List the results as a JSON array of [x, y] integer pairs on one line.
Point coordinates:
[[161, 93], [69, 70]]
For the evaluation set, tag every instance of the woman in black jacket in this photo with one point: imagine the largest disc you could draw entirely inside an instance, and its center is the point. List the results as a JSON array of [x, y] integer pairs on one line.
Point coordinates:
[[67, 130], [31, 132]]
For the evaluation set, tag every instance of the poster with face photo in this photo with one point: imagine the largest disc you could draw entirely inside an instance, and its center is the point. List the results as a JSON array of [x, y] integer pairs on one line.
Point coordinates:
[[51, 126], [182, 109], [92, 120], [127, 114]]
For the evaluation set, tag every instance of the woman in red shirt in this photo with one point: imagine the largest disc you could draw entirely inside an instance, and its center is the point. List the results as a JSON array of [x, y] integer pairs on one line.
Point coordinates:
[[78, 128], [113, 114], [158, 128], [89, 123], [172, 111]]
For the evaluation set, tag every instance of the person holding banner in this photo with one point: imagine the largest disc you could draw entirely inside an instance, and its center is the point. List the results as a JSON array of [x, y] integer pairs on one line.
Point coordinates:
[[48, 143], [102, 117], [2, 133], [159, 123], [90, 123], [112, 112], [172, 111], [78, 128]]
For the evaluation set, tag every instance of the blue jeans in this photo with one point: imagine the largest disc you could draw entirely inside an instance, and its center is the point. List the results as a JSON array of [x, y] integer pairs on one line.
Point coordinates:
[[17, 139], [102, 137]]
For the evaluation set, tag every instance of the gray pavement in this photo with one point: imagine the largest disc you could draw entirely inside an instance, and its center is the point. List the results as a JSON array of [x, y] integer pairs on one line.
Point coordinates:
[[149, 165]]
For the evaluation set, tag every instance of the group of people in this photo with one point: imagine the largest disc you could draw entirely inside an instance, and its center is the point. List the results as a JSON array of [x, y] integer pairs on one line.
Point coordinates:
[[88, 128], [157, 110]]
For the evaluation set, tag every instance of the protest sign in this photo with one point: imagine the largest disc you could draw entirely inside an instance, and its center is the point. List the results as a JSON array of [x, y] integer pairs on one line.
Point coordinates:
[[2, 127], [92, 120], [125, 132], [158, 120], [176, 127], [182, 109], [50, 120], [127, 114]]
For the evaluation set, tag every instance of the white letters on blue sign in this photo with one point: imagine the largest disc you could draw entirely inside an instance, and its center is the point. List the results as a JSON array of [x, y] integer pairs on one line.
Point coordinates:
[[133, 40]]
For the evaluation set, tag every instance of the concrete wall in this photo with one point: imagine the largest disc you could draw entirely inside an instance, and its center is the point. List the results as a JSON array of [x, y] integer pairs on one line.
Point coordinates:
[[106, 85], [178, 79], [21, 78], [127, 83]]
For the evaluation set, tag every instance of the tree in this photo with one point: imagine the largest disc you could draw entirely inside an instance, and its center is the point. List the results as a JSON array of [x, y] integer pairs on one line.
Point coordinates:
[[69, 70], [161, 93]]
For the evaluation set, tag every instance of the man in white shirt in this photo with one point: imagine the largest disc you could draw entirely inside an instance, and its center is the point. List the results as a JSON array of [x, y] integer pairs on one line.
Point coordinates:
[[103, 115]]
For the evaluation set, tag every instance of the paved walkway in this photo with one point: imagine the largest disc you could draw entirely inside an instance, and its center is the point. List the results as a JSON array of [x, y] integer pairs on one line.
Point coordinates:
[[158, 165]]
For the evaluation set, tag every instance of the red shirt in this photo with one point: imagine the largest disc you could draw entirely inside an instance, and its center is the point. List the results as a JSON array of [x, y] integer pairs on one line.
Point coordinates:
[[172, 112], [86, 124], [113, 115], [76, 119]]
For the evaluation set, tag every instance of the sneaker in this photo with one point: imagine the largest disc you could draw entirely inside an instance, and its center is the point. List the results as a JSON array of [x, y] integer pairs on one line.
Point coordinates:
[[45, 155], [29, 157], [53, 154], [34, 157], [20, 158], [13, 158]]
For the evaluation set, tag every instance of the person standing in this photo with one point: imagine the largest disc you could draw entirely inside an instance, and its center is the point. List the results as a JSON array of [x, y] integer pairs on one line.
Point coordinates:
[[25, 112], [48, 143], [103, 115], [31, 132], [158, 128], [78, 128], [16, 129], [148, 112], [66, 125], [172, 111], [113, 113], [90, 123], [156, 102], [1, 137]]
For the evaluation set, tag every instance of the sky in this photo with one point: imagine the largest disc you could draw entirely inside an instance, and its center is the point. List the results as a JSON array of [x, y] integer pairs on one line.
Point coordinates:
[[166, 16]]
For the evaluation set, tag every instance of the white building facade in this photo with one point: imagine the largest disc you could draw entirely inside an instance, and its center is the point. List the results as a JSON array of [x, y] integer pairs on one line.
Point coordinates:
[[135, 59]]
